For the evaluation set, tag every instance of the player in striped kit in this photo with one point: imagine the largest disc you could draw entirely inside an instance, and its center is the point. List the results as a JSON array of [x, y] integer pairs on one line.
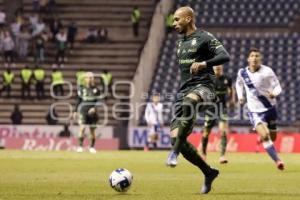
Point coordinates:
[[154, 119], [262, 87]]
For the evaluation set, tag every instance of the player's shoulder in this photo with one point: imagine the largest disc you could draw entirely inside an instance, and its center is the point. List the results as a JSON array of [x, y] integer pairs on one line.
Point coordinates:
[[266, 68], [203, 35], [242, 69]]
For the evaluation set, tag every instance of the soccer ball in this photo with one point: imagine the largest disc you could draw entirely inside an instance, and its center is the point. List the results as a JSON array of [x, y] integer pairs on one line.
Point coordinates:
[[120, 179]]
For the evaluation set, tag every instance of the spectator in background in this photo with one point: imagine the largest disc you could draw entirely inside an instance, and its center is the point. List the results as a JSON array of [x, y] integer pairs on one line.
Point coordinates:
[[33, 19], [39, 49], [107, 81], [38, 28], [154, 119], [51, 7], [24, 38], [43, 7], [19, 15], [51, 116], [55, 26], [16, 115], [102, 34], [15, 32], [72, 32], [57, 82], [92, 35], [169, 22], [135, 20], [80, 77], [8, 47], [36, 5], [39, 77], [8, 79], [65, 132], [26, 75], [61, 44], [2, 19]]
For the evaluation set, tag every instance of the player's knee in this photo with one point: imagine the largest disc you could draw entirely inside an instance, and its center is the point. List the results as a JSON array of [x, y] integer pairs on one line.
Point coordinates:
[[188, 110], [194, 97]]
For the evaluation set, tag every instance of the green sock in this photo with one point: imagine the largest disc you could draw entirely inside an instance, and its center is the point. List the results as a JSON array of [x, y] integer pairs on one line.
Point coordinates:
[[80, 141], [204, 144], [93, 140], [223, 144], [189, 152]]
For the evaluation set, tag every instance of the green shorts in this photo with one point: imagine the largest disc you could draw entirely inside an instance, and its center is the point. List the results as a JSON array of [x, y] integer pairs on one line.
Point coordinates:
[[217, 112], [86, 119], [207, 94]]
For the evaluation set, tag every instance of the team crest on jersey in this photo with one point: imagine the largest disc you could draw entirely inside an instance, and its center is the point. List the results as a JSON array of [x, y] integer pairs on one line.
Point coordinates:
[[194, 42], [225, 81], [95, 91]]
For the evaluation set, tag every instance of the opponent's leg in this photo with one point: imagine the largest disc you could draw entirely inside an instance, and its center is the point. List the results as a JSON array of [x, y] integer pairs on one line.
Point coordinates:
[[268, 145]]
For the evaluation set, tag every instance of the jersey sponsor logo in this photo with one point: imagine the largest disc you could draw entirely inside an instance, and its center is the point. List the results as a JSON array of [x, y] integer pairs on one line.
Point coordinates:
[[194, 42], [192, 50], [187, 61]]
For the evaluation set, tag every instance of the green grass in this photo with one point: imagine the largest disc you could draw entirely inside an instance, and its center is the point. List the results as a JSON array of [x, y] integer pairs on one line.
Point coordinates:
[[68, 175]]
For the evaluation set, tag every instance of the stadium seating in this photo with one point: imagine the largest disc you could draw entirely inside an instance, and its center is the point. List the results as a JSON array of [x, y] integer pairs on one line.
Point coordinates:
[[119, 55], [244, 13], [283, 59]]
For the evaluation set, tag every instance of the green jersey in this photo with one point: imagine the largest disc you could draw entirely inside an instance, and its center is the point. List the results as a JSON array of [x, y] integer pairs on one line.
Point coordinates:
[[87, 98], [197, 47]]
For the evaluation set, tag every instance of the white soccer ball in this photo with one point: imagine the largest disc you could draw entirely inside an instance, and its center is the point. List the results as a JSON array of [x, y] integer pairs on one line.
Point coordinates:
[[120, 179]]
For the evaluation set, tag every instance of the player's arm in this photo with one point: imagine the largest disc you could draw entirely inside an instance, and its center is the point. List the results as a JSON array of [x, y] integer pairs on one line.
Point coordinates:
[[160, 115], [221, 56], [275, 85], [239, 86], [214, 46], [147, 114]]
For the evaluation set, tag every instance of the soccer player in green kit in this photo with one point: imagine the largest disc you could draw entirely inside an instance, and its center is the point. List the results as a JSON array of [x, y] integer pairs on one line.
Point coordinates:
[[87, 98], [197, 52], [223, 88]]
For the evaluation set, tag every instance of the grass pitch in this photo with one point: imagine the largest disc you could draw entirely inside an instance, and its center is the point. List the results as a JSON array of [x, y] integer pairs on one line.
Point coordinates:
[[69, 175]]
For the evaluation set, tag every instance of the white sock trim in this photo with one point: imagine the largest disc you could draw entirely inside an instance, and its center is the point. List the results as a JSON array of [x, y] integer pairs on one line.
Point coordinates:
[[267, 144]]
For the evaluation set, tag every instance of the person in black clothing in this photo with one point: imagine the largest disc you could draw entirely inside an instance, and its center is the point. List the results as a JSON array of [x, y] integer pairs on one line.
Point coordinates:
[[16, 115], [65, 132], [52, 117], [72, 32]]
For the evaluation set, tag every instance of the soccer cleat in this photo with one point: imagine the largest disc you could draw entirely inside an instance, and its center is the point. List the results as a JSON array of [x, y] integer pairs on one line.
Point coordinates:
[[208, 180], [223, 160], [172, 159], [92, 150], [280, 165], [79, 150]]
